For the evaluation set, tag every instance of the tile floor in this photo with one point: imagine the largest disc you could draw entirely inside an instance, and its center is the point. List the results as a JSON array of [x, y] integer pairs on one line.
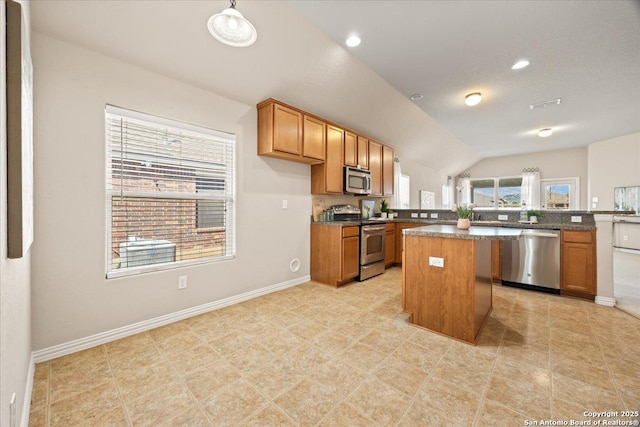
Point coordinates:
[[314, 355]]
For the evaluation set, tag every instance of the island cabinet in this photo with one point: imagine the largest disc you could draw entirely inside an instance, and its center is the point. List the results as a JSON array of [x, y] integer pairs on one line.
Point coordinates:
[[390, 245], [399, 227], [327, 177], [280, 134], [578, 264], [363, 152], [334, 253], [446, 278]]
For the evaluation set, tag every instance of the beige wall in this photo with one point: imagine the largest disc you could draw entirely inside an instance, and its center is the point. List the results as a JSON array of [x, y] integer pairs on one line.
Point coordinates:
[[71, 297], [15, 282], [613, 163], [552, 164]]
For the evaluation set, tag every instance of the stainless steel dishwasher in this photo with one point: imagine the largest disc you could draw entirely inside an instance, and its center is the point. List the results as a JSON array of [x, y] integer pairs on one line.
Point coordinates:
[[533, 261]]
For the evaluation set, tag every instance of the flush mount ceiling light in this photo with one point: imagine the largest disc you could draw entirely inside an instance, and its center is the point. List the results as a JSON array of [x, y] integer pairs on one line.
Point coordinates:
[[473, 99], [520, 64], [231, 28], [353, 41], [416, 96], [543, 133]]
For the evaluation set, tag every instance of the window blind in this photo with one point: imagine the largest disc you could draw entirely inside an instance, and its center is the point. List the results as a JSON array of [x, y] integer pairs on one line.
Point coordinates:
[[170, 193]]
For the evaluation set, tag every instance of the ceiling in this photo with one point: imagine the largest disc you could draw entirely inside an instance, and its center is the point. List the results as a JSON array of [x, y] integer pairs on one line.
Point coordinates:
[[587, 53]]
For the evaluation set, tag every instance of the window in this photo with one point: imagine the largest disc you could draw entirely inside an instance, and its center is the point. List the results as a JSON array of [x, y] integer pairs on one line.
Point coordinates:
[[559, 194], [502, 192], [170, 193]]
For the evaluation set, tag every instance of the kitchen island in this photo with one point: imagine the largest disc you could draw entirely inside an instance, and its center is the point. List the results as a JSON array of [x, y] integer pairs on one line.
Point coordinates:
[[446, 278]]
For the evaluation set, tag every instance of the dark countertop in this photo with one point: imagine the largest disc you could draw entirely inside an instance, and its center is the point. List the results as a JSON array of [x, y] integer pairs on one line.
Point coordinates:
[[473, 233], [504, 224]]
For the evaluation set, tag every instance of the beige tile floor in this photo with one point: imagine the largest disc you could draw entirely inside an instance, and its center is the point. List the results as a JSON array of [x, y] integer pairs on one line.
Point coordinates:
[[314, 355]]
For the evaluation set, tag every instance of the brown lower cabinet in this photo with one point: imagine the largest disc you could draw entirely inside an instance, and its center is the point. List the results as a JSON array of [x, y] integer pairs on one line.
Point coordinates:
[[334, 253], [578, 264], [390, 245]]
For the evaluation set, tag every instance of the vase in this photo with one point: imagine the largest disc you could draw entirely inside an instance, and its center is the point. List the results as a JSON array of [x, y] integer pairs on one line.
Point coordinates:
[[464, 223]]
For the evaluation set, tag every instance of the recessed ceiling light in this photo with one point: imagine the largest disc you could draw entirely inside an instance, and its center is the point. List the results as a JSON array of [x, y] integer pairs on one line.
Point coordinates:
[[543, 133], [353, 41], [520, 64], [473, 99], [416, 96]]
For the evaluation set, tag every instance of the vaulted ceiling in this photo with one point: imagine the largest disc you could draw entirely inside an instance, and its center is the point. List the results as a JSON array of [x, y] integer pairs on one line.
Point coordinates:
[[587, 53]]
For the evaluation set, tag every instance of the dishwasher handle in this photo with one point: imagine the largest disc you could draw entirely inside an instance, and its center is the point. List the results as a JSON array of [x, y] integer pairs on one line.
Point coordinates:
[[541, 234]]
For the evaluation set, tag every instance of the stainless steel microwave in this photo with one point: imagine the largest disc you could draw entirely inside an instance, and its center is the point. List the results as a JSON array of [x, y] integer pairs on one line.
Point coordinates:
[[357, 181]]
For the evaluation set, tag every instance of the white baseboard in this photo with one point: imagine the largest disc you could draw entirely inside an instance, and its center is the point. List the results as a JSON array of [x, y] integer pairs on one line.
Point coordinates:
[[135, 328], [609, 302], [26, 403]]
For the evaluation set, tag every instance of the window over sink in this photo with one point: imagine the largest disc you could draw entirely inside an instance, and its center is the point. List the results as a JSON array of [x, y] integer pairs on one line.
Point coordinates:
[[497, 193]]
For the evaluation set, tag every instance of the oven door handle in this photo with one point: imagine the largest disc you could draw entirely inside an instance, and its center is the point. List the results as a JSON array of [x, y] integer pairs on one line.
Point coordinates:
[[374, 228]]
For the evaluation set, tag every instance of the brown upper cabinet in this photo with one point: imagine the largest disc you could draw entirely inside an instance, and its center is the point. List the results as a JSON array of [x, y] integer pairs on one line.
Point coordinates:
[[375, 166], [387, 171], [313, 138], [287, 133], [327, 177], [280, 133], [350, 149], [363, 152]]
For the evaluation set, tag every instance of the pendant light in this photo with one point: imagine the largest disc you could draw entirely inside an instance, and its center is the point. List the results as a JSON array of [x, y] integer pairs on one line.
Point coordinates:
[[231, 28]]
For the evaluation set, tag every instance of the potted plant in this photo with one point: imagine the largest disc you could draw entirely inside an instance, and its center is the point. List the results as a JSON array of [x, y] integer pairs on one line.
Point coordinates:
[[384, 206], [533, 215], [464, 217]]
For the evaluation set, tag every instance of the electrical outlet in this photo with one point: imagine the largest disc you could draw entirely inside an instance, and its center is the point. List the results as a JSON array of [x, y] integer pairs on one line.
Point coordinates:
[[424, 215], [576, 218], [434, 215], [625, 238], [436, 262], [182, 282], [284, 204], [503, 217], [414, 215]]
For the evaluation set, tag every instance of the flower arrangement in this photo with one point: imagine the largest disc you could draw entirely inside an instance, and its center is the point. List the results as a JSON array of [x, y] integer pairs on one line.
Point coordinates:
[[464, 212], [384, 205], [533, 212]]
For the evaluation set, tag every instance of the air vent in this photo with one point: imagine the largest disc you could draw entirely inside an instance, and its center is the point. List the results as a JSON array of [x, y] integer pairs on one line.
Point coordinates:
[[545, 104]]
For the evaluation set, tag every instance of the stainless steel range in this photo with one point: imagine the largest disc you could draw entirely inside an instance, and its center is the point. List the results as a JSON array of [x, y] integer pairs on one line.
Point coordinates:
[[372, 249], [372, 241]]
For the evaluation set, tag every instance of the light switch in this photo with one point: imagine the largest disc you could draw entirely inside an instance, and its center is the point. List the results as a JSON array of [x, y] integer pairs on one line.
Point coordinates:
[[594, 200], [576, 218], [284, 204]]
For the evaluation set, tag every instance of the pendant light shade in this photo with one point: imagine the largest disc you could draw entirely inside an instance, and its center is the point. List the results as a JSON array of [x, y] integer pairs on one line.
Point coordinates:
[[231, 28]]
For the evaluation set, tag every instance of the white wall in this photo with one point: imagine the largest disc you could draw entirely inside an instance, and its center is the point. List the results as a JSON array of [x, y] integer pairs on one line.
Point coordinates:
[[71, 297], [422, 178], [552, 164], [15, 280], [613, 163]]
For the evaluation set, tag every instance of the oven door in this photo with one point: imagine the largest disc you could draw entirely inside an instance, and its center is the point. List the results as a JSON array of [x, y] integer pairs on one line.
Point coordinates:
[[372, 243]]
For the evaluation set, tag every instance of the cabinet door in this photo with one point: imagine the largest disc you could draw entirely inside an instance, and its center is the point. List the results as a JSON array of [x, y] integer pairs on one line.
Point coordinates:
[[578, 268], [363, 152], [333, 161], [390, 249], [375, 166], [350, 251], [387, 171], [496, 262], [350, 149], [313, 138], [287, 130]]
